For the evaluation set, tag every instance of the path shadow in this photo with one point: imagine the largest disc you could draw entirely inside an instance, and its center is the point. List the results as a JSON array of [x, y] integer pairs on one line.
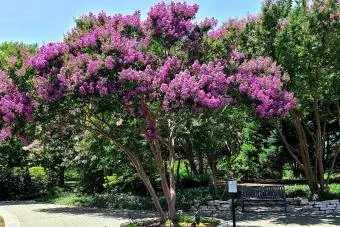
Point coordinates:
[[283, 218], [24, 202], [63, 209], [125, 214]]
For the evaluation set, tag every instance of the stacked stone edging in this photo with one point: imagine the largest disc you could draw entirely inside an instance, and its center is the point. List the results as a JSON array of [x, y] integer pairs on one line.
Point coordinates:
[[323, 207], [220, 207], [215, 207]]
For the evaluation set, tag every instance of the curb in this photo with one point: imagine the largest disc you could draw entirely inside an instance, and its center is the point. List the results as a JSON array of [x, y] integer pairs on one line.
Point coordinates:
[[10, 219]]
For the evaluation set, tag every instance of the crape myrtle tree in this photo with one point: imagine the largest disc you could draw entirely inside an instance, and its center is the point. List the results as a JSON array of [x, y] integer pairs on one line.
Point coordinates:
[[311, 32], [133, 82], [13, 99], [304, 39]]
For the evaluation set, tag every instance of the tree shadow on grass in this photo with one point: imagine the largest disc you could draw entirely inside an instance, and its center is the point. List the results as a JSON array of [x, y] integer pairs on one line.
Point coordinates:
[[288, 218]]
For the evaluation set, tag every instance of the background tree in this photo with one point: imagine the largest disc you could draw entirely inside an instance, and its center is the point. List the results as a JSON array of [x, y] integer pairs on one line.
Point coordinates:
[[304, 39]]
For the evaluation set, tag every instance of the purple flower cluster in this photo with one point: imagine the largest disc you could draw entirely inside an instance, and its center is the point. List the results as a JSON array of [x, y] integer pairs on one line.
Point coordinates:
[[13, 105], [172, 20], [46, 54], [200, 85], [150, 80], [208, 23], [260, 79], [238, 24], [86, 73]]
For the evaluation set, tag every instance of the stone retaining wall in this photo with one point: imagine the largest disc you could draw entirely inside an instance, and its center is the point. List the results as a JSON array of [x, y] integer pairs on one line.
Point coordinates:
[[324, 207], [220, 207], [215, 207]]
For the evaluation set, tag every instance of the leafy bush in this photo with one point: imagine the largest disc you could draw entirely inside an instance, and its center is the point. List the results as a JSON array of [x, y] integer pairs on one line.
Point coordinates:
[[15, 184], [205, 220], [40, 179], [72, 175], [193, 180], [186, 198], [127, 184], [303, 191], [23, 183], [297, 191]]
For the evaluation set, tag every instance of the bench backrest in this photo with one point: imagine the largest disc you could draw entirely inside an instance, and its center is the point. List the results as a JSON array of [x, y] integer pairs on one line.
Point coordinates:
[[263, 192]]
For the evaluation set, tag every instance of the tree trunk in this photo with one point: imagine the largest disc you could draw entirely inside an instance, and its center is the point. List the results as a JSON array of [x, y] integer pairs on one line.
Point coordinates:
[[144, 177], [192, 164], [178, 168], [319, 150], [212, 164], [172, 199], [306, 166], [156, 150], [302, 157], [200, 163], [189, 155], [186, 167], [61, 176], [135, 161]]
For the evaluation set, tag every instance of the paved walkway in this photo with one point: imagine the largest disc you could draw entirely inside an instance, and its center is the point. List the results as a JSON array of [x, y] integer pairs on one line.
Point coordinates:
[[259, 219], [33, 214]]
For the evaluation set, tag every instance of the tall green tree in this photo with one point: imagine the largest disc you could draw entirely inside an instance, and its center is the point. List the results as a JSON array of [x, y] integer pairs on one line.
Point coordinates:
[[304, 39]]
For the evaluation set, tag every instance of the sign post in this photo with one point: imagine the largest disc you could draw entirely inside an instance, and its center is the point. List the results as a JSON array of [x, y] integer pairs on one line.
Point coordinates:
[[232, 189]]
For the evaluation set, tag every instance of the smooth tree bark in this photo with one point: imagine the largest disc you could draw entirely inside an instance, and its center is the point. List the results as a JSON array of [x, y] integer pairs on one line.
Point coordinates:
[[137, 164], [213, 167], [309, 152], [172, 199], [178, 169], [61, 176]]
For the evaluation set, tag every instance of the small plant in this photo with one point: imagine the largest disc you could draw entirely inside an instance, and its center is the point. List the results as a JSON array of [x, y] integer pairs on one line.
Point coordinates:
[[187, 220]]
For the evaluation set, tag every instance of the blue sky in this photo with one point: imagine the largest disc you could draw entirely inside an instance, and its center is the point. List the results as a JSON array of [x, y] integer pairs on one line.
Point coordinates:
[[44, 21]]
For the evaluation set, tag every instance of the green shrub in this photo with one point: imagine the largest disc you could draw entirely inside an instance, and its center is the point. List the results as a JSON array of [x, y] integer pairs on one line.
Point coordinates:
[[297, 191], [72, 175], [205, 220], [16, 183], [193, 180], [111, 181], [127, 184], [40, 179], [303, 191], [186, 198], [37, 171]]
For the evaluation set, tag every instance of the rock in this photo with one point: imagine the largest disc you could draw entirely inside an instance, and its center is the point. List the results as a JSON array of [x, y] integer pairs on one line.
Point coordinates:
[[304, 202]]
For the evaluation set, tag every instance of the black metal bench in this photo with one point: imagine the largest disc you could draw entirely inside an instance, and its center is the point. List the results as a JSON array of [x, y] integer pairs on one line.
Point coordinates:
[[263, 193]]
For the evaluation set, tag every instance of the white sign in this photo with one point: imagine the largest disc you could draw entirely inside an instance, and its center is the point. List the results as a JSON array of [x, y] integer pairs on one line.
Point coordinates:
[[232, 186]]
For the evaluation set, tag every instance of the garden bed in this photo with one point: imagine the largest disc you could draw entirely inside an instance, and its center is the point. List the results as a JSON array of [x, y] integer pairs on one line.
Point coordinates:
[[184, 221]]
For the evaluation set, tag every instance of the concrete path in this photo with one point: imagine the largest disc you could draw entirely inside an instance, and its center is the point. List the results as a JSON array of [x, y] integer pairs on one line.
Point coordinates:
[[280, 219], [33, 214]]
